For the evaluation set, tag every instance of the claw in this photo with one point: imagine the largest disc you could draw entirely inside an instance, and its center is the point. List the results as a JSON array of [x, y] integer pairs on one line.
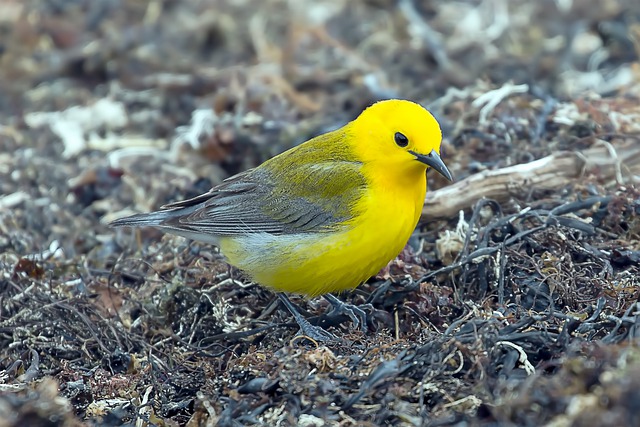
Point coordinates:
[[316, 333], [357, 315]]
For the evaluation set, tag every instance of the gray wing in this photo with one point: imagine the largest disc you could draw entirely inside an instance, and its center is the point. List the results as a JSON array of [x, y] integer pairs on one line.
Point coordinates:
[[246, 203]]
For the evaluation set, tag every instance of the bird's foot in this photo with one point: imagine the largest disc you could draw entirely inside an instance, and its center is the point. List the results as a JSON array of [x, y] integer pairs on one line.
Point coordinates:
[[357, 315], [316, 333]]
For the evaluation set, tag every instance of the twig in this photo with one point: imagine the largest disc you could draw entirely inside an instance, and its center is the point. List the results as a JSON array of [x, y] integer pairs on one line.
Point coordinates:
[[554, 171]]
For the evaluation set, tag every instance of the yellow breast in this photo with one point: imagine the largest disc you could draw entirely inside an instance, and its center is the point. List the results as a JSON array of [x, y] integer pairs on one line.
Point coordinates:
[[317, 263]]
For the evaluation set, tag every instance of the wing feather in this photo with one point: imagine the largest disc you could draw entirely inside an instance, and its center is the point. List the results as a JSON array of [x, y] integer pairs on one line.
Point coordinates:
[[250, 203], [314, 187]]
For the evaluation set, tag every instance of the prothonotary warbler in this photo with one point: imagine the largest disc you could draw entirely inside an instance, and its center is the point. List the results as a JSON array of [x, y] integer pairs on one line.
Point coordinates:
[[323, 216]]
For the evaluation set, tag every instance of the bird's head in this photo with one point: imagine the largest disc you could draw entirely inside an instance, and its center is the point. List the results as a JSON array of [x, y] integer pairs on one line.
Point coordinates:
[[401, 134]]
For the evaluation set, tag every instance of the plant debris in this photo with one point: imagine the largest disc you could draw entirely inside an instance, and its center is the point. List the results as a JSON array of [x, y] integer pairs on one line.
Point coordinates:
[[516, 302]]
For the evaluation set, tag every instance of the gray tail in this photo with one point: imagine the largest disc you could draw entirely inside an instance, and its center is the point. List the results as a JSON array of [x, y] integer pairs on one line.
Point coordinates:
[[151, 219]]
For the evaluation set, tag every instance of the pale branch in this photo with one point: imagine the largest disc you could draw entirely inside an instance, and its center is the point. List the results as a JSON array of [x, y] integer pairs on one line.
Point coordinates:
[[619, 163]]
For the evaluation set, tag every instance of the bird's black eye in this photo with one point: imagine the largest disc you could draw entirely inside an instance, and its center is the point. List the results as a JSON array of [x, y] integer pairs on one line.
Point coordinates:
[[401, 140]]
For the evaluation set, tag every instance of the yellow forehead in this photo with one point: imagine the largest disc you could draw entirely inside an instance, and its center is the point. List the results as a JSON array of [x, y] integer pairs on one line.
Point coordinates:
[[385, 118]]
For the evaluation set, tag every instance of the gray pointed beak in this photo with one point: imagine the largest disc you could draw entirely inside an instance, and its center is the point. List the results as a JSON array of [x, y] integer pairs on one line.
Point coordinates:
[[433, 160]]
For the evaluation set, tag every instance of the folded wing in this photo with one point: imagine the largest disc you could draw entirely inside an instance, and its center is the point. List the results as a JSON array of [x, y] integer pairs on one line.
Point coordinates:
[[309, 197]]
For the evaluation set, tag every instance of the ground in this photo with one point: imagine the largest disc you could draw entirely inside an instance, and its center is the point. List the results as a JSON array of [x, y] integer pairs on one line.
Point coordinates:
[[520, 309]]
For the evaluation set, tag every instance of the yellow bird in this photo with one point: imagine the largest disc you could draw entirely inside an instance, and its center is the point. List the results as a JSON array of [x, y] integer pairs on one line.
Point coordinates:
[[323, 216]]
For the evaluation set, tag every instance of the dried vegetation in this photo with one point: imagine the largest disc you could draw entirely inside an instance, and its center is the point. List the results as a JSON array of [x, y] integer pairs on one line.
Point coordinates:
[[516, 302]]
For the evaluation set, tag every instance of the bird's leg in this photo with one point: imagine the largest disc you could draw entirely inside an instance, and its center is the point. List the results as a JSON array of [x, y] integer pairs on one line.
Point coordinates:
[[355, 313], [307, 329]]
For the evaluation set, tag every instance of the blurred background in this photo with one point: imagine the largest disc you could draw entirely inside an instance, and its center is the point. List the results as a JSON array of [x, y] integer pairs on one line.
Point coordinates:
[[291, 67]]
